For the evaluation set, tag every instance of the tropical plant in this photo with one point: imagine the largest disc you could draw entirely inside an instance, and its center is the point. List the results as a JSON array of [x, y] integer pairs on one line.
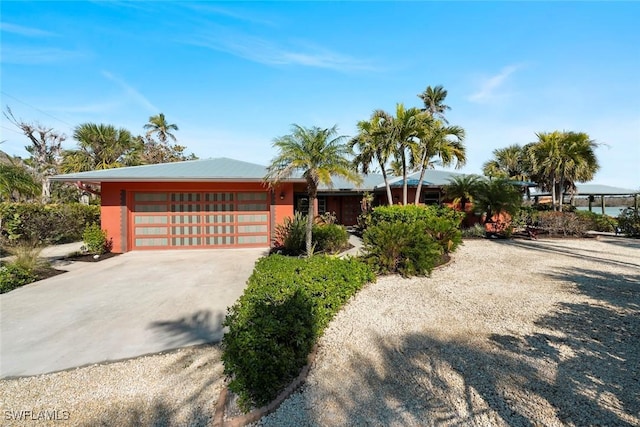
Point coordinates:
[[318, 154], [159, 126], [444, 143], [15, 181], [101, 146], [560, 159], [463, 189], [507, 163], [95, 240], [495, 197], [407, 128], [433, 98], [374, 144]]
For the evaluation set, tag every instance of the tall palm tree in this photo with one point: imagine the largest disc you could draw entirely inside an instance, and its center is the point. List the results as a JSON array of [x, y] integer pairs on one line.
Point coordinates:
[[560, 159], [407, 128], [433, 98], [319, 154], [444, 143], [159, 126], [101, 147], [507, 162], [373, 145]]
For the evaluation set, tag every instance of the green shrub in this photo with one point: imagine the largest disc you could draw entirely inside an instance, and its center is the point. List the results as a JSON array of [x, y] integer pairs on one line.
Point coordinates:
[[597, 222], [561, 223], [401, 247], [441, 223], [330, 238], [27, 257], [290, 235], [95, 240], [476, 231], [272, 327], [13, 276], [36, 223], [629, 222], [327, 237]]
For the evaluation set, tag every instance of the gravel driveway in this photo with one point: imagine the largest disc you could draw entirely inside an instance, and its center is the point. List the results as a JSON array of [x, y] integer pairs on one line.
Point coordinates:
[[509, 333], [517, 332]]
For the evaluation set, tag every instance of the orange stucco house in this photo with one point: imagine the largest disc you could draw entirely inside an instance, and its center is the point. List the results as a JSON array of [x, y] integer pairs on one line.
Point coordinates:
[[217, 203]]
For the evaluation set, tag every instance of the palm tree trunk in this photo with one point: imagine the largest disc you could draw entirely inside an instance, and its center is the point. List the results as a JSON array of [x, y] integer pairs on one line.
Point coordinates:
[[313, 196], [422, 172], [553, 193], [404, 178], [386, 184]]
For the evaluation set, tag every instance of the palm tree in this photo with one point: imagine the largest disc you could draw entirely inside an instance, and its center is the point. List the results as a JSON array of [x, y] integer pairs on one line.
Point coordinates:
[[463, 189], [442, 142], [507, 162], [433, 98], [560, 159], [15, 180], [158, 125], [373, 145], [101, 147], [407, 128], [497, 196], [319, 154]]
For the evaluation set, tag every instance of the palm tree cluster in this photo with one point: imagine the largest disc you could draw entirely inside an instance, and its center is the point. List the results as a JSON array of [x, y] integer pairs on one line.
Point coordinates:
[[412, 140], [556, 162], [99, 146]]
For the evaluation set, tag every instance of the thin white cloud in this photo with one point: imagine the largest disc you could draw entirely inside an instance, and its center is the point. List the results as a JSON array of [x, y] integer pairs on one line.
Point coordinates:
[[132, 93], [45, 55], [265, 52], [24, 31], [489, 87], [237, 14]]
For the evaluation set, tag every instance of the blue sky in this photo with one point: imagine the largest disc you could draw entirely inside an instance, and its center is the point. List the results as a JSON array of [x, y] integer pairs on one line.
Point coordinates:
[[235, 75]]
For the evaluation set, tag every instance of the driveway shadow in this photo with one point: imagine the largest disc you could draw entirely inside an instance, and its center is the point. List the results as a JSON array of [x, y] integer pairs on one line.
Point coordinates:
[[199, 328]]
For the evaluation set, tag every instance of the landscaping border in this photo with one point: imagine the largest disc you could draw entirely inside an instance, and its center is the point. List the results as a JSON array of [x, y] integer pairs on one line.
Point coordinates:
[[257, 414]]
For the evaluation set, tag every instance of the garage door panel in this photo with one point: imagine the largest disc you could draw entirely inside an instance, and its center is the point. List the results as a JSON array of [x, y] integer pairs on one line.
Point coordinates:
[[191, 219]]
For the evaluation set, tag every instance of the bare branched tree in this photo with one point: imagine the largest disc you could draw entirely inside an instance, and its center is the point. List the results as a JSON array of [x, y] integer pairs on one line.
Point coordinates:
[[45, 148]]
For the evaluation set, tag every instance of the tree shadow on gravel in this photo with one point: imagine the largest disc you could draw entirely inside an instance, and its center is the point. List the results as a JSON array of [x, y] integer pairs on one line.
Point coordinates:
[[581, 368], [625, 242], [157, 414], [200, 327], [572, 252]]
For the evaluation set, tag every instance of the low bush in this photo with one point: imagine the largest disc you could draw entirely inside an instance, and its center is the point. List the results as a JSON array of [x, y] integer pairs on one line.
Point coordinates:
[[95, 240], [629, 222], [597, 222], [561, 223], [327, 237], [285, 307], [36, 223], [330, 238], [476, 231], [13, 276], [401, 247], [442, 223]]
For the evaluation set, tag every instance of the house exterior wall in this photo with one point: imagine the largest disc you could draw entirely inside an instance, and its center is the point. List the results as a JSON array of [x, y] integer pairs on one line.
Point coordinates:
[[116, 206]]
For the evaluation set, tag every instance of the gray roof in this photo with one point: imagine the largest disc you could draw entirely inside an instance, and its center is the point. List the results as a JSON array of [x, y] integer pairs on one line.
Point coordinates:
[[594, 190], [219, 169], [432, 177], [225, 169]]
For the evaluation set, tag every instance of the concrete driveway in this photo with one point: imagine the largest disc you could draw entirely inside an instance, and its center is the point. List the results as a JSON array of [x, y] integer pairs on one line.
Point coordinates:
[[133, 304]]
